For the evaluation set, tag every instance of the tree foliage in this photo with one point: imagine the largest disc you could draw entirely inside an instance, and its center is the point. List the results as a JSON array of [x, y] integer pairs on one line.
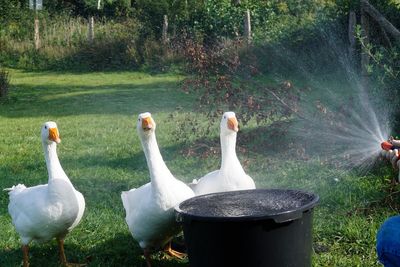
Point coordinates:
[[206, 21]]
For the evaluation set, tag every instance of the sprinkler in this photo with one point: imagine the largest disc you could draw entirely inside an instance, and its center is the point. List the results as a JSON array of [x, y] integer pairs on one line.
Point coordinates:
[[390, 144], [390, 151]]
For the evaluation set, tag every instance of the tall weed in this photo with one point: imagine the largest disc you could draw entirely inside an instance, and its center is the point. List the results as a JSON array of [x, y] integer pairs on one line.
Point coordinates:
[[65, 45]]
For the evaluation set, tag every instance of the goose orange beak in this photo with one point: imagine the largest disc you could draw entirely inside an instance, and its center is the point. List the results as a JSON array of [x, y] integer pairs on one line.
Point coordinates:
[[147, 123], [233, 124], [54, 135]]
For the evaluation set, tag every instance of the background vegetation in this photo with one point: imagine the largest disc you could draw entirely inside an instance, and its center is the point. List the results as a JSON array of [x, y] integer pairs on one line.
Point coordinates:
[[129, 30]]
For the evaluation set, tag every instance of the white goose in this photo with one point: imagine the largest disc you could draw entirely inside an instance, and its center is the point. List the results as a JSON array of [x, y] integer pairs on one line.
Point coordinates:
[[44, 212], [150, 208], [231, 175]]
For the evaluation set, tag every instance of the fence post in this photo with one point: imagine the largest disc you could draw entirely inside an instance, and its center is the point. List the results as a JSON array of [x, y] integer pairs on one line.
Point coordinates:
[[34, 4], [352, 34], [364, 54], [165, 30], [247, 26], [91, 29], [380, 19], [37, 35]]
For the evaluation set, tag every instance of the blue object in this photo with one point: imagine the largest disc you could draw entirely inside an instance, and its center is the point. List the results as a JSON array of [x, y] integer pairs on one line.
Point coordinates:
[[388, 242]]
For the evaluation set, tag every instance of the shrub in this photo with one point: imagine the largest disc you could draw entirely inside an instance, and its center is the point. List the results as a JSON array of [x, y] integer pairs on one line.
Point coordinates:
[[224, 81], [4, 84]]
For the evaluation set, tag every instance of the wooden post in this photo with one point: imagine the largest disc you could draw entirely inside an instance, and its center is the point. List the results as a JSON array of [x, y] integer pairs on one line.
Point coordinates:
[[352, 35], [364, 54], [165, 30], [91, 29], [37, 35], [379, 18], [247, 27], [386, 37], [174, 31]]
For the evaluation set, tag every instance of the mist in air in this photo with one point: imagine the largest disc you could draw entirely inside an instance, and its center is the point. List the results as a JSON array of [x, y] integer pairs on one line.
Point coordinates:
[[341, 119]]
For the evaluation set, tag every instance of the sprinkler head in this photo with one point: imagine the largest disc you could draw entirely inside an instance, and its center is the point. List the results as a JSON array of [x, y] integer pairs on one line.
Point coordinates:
[[385, 145]]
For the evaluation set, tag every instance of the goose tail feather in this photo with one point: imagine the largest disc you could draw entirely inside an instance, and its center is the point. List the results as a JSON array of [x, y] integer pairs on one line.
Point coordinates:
[[15, 189], [125, 198]]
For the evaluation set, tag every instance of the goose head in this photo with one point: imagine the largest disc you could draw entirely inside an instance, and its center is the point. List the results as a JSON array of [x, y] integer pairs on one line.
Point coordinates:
[[50, 133], [229, 123], [145, 124]]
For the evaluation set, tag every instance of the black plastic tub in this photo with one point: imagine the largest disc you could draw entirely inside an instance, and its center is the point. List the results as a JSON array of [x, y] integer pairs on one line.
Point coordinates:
[[249, 228]]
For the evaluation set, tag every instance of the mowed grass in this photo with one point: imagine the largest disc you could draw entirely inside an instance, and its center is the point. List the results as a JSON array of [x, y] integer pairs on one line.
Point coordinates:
[[100, 152]]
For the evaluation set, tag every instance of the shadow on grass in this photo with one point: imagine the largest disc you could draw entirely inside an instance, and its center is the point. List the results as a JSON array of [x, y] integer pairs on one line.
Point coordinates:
[[120, 250], [46, 254], [133, 162], [272, 141], [64, 100]]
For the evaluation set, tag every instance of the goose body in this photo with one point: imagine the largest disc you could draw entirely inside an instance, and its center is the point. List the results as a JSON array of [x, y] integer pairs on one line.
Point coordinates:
[[43, 212], [150, 208], [231, 175], [150, 214]]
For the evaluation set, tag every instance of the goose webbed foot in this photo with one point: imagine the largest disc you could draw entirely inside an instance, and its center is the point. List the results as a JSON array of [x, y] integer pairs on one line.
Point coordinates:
[[25, 253], [63, 259], [173, 253], [69, 264], [147, 253]]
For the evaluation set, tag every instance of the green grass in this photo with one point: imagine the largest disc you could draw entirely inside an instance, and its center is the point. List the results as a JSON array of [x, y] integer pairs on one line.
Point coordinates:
[[101, 154]]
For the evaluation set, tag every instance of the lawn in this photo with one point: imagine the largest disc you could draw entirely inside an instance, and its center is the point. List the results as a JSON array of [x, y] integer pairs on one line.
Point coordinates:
[[101, 153]]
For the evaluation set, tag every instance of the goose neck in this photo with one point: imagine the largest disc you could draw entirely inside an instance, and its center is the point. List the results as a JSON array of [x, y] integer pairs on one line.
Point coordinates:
[[54, 168], [155, 162], [228, 150]]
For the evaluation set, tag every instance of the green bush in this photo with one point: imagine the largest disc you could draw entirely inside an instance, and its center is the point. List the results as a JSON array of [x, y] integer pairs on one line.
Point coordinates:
[[4, 84]]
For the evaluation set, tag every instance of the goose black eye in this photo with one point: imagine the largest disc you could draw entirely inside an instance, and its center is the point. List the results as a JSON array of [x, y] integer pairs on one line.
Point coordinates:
[[224, 117], [45, 127]]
